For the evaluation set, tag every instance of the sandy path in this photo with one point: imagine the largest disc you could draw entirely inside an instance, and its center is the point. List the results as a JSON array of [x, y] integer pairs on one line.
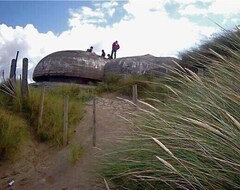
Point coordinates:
[[42, 167]]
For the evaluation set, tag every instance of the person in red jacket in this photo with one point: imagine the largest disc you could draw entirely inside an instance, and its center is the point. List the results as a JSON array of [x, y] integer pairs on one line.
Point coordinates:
[[115, 47]]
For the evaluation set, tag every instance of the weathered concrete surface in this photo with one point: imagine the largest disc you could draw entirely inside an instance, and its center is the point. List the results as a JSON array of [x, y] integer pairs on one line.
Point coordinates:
[[70, 66], [83, 67], [140, 65]]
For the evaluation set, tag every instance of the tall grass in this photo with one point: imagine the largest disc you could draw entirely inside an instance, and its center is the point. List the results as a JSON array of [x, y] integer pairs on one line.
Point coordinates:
[[13, 132], [76, 153], [51, 129], [122, 85], [25, 115], [192, 141]]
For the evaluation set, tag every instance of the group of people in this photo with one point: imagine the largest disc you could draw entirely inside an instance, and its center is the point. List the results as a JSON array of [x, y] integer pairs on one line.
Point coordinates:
[[115, 47]]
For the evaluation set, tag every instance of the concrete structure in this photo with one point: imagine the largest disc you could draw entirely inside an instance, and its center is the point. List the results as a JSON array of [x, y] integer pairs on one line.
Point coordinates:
[[83, 67], [140, 65], [70, 66]]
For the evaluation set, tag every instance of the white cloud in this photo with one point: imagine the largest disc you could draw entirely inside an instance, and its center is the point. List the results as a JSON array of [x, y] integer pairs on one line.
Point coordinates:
[[229, 7], [184, 2], [99, 14], [28, 41], [109, 7], [193, 10], [146, 29], [145, 7], [86, 15], [91, 13], [221, 7]]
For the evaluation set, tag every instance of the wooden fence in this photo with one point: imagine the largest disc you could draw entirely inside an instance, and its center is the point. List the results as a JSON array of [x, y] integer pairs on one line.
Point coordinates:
[[25, 94]]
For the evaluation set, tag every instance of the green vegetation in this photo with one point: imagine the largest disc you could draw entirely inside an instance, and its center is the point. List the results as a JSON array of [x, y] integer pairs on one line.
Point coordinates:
[[191, 141], [76, 153], [123, 86], [13, 131], [19, 117]]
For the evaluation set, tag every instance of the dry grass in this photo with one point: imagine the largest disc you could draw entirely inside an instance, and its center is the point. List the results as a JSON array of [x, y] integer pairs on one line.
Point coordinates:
[[192, 140]]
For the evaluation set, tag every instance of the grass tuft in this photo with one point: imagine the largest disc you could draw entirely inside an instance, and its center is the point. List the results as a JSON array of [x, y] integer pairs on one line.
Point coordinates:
[[76, 153]]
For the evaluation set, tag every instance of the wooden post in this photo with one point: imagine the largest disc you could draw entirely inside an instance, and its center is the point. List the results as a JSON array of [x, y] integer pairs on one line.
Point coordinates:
[[200, 72], [15, 75], [65, 120], [134, 94], [17, 57], [13, 70], [41, 107], [94, 121], [24, 86], [3, 75]]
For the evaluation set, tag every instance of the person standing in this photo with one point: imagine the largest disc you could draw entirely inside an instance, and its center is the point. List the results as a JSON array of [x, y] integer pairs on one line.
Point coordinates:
[[103, 54], [115, 47]]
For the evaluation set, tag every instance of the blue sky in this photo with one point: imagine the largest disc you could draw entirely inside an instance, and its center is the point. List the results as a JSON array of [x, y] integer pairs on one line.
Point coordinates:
[[44, 15], [157, 27]]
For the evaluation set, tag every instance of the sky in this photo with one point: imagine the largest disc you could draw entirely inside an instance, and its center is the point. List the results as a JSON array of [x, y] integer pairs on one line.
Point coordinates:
[[158, 27]]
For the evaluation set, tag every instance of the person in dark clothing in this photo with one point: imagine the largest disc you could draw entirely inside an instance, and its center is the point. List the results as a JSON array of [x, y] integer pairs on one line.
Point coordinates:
[[109, 56], [103, 54], [115, 47], [90, 49]]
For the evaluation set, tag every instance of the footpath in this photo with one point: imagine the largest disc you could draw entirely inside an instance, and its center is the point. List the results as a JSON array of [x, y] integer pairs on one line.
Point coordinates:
[[40, 167]]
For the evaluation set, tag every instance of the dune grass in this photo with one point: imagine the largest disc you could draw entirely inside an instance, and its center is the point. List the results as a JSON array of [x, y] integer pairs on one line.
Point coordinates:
[[122, 85], [13, 132], [191, 141], [76, 153], [51, 129], [19, 117]]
